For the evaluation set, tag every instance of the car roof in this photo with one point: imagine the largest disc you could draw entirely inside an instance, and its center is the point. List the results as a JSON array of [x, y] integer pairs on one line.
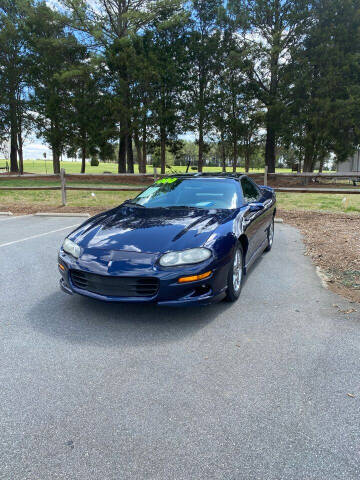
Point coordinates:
[[207, 175]]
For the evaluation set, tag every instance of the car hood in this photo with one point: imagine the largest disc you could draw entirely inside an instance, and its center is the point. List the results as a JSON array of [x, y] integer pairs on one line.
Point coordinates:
[[146, 230]]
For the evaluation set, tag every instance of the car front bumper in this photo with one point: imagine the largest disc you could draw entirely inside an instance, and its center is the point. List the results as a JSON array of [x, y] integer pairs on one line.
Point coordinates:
[[170, 292]]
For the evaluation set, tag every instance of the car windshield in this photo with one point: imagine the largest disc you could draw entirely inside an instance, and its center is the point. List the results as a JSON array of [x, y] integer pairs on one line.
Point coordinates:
[[182, 192]]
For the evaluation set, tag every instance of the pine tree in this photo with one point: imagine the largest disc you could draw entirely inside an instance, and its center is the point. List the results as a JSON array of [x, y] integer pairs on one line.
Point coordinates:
[[322, 111], [13, 14], [112, 24], [88, 117], [167, 85], [271, 28], [203, 67], [53, 52]]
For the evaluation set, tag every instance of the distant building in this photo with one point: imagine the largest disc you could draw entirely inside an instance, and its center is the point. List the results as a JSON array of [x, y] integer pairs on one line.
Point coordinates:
[[352, 164]]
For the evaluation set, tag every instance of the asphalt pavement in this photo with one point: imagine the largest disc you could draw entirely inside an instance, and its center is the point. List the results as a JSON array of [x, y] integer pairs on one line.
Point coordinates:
[[266, 388]]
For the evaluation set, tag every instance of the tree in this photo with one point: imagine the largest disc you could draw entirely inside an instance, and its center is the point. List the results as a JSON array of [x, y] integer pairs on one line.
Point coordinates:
[[270, 29], [111, 24], [169, 65], [13, 14], [53, 52], [143, 72], [322, 113], [203, 67], [88, 115]]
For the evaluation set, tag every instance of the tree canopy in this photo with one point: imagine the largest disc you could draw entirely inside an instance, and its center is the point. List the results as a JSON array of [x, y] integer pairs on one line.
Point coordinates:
[[250, 79]]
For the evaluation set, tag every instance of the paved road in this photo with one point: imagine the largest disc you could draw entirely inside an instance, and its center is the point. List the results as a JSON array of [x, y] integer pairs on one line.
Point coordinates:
[[255, 390]]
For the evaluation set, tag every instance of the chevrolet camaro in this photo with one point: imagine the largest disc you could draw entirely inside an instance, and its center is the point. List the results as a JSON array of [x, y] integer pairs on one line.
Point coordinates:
[[184, 240]]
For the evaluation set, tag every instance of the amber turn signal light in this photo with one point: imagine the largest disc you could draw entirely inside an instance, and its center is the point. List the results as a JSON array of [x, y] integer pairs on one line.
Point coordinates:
[[61, 266], [194, 278]]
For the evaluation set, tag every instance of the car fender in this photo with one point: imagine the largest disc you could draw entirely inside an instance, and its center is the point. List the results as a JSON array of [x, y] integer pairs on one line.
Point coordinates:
[[223, 241]]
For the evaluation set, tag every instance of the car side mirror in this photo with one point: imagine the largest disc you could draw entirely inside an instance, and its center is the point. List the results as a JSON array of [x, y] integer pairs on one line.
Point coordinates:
[[256, 206]]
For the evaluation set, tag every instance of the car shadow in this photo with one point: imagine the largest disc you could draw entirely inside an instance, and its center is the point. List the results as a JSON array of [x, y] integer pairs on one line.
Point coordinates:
[[82, 320]]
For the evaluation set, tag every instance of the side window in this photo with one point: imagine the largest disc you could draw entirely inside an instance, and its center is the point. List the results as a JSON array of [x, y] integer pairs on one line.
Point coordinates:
[[250, 191]]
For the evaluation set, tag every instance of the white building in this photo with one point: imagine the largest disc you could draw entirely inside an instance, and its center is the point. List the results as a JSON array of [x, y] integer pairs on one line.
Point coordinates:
[[350, 165]]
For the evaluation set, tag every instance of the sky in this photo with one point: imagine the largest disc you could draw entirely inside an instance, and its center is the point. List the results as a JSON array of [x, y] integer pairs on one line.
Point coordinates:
[[35, 148]]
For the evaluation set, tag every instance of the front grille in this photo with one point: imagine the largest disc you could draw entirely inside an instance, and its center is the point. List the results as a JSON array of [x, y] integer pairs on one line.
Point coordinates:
[[115, 286]]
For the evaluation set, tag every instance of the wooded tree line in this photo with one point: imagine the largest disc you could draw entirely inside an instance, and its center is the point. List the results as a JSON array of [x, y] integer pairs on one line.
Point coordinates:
[[89, 76]]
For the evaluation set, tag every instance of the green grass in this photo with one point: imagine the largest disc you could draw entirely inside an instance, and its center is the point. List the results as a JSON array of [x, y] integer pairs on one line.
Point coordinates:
[[286, 201], [319, 201], [53, 198], [28, 182], [40, 166]]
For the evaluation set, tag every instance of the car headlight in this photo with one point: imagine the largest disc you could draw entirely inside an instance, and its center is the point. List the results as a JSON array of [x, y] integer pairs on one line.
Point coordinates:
[[71, 247], [193, 255]]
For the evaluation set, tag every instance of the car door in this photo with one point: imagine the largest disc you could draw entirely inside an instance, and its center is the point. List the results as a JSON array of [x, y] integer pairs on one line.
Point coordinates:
[[253, 220], [265, 216]]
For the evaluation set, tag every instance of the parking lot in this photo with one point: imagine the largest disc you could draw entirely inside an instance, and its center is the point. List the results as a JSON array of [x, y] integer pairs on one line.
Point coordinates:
[[266, 388]]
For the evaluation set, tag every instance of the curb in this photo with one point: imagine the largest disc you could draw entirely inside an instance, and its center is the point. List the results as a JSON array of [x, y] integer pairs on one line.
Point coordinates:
[[279, 220], [7, 214], [323, 277], [56, 214]]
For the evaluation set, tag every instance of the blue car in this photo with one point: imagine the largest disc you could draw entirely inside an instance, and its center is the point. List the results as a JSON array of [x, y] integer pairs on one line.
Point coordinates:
[[184, 240]]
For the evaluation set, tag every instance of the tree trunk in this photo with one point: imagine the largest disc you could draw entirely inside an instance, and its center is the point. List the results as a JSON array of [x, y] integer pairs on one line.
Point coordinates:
[[271, 115], [223, 153], [162, 149], [20, 151], [56, 151], [201, 148], [56, 161], [144, 140], [321, 166], [130, 155], [83, 159], [13, 138], [247, 159], [309, 158], [138, 150], [223, 158], [308, 161], [122, 151], [270, 147], [235, 154]]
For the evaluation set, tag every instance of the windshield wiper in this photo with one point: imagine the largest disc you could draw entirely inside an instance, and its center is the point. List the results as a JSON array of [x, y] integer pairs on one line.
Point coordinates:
[[181, 206], [134, 203]]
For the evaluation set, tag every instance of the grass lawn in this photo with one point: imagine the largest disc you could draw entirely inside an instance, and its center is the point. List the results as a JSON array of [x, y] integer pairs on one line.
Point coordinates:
[[319, 202], [286, 201], [53, 198], [40, 166]]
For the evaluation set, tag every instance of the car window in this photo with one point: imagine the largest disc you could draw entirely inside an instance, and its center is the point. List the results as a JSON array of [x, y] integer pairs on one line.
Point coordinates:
[[250, 191], [199, 193]]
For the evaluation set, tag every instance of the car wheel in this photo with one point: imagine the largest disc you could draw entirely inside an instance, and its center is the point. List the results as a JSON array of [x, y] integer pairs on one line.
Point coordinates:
[[235, 276], [270, 236]]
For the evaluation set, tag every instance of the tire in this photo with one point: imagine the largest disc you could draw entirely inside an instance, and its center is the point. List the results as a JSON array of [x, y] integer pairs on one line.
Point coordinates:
[[235, 278], [270, 237]]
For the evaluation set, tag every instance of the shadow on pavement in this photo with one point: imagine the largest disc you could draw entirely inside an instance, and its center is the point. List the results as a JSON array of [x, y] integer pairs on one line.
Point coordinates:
[[82, 320]]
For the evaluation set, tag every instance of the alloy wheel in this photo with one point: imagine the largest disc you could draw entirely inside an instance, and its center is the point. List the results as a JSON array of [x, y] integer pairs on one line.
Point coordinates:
[[237, 271]]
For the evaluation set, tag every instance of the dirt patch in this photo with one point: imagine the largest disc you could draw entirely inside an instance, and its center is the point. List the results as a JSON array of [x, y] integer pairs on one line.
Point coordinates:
[[17, 209], [333, 242]]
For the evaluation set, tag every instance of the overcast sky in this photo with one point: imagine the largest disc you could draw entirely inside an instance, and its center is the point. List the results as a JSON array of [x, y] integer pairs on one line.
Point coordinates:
[[34, 148]]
